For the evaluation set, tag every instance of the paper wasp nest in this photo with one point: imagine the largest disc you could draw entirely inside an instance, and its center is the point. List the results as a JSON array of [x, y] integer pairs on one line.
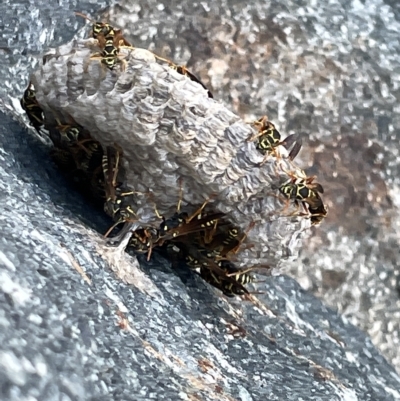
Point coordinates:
[[173, 135]]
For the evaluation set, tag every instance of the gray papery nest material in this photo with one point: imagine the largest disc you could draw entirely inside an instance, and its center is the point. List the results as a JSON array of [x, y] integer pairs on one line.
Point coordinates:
[[172, 133]]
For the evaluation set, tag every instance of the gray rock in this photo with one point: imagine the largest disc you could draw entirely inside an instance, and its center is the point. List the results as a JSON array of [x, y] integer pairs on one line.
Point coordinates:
[[63, 338]]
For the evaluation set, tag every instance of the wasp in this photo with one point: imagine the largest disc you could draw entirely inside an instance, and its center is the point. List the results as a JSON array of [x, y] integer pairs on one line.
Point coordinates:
[[180, 223], [184, 71], [231, 283], [79, 156], [119, 199], [103, 29], [32, 108], [119, 205], [68, 136], [73, 145], [88, 155], [241, 276], [222, 275], [226, 242], [98, 27], [144, 240], [70, 133], [269, 138], [110, 40], [109, 55], [110, 165], [304, 190], [317, 213]]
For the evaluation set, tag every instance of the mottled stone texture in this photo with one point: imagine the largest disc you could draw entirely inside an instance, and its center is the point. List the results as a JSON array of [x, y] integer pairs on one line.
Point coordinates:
[[327, 70], [72, 329]]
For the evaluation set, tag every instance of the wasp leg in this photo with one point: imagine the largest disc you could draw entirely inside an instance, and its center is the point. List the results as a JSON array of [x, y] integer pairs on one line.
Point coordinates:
[[122, 235], [198, 211]]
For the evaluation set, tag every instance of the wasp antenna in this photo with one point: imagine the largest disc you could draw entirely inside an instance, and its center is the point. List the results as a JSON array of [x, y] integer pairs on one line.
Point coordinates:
[[112, 228], [164, 59], [149, 253], [251, 225], [157, 212], [198, 211], [83, 16], [178, 208], [261, 121], [255, 136]]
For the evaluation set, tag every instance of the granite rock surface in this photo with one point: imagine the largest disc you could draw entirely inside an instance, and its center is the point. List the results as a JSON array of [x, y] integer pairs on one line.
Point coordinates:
[[72, 328]]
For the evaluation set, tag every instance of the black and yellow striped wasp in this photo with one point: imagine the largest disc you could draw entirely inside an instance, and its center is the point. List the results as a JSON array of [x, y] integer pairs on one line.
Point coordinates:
[[32, 108], [304, 189], [110, 41], [231, 283], [120, 200], [220, 274], [269, 138]]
